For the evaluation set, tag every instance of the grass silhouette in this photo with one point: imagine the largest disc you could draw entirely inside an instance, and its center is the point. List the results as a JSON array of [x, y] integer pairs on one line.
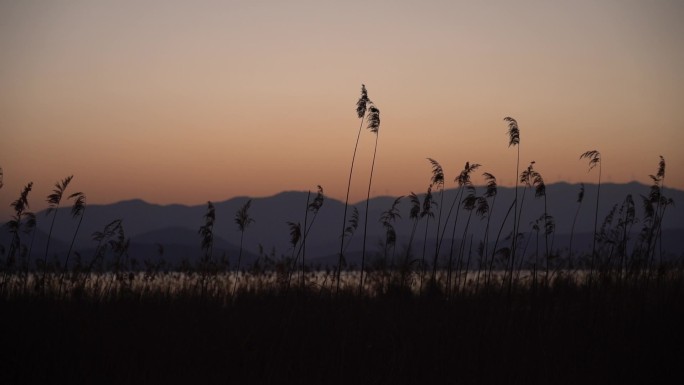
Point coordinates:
[[361, 107], [594, 158]]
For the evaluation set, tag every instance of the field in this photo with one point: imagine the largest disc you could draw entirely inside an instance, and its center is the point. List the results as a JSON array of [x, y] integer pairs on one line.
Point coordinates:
[[188, 327]]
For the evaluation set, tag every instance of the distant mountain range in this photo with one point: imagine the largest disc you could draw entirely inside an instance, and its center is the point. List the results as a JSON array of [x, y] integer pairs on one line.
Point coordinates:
[[171, 231]]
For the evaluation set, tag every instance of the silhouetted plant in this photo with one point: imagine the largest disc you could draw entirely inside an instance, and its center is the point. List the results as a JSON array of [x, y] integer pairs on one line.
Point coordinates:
[[350, 230], [627, 220], [373, 126], [463, 180], [426, 213], [580, 198], [414, 215], [103, 238], [206, 231], [437, 181], [243, 220], [655, 197], [361, 107], [594, 160], [470, 203], [312, 207], [387, 219], [20, 206], [53, 201], [77, 210], [514, 140], [490, 192], [295, 236], [549, 223]]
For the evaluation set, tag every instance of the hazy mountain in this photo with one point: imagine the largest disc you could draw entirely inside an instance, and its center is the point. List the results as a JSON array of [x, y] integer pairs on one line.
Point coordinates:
[[174, 228]]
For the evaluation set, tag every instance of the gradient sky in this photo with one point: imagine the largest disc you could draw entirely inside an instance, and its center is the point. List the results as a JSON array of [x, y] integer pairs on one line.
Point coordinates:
[[184, 102]]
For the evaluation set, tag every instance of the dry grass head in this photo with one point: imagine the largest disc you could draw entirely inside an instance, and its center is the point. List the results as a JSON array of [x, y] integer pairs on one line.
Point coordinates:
[[415, 206], [491, 186], [373, 119], [295, 232], [79, 204], [56, 197], [242, 218], [513, 131], [437, 173], [318, 201], [463, 178], [594, 158], [362, 103], [428, 203], [353, 222], [21, 203]]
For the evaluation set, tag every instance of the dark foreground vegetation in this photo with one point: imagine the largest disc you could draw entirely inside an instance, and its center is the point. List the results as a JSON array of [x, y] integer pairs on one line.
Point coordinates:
[[190, 328]]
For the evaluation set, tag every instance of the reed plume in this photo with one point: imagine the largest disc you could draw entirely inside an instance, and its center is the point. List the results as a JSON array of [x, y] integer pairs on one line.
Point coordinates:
[[206, 231], [490, 192], [655, 196], [580, 198], [426, 213], [77, 210], [414, 216], [594, 158], [53, 201], [312, 207], [17, 222], [514, 140], [374, 127], [437, 181], [361, 107], [387, 219], [350, 230], [243, 220], [295, 236], [462, 180]]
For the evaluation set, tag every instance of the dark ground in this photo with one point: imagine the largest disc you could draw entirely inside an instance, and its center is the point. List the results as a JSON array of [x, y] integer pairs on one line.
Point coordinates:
[[567, 335]]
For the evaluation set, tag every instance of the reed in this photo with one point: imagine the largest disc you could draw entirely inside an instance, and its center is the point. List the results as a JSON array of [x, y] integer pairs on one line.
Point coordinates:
[[361, 107], [490, 192], [463, 180], [242, 220], [594, 158], [77, 210], [437, 181], [374, 127], [514, 140], [580, 198], [17, 223], [54, 200], [426, 213]]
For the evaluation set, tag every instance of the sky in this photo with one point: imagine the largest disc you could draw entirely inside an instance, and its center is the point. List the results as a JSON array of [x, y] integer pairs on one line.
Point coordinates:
[[188, 102]]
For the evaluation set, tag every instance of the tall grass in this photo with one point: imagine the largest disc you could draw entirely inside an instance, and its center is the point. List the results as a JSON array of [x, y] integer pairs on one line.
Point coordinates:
[[16, 224], [437, 181], [514, 140], [361, 107], [242, 220], [77, 210], [374, 127], [54, 200], [594, 158], [580, 198]]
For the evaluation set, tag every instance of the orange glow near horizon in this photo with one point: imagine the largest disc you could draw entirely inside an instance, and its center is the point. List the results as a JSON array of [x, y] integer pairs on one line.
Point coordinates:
[[178, 103]]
